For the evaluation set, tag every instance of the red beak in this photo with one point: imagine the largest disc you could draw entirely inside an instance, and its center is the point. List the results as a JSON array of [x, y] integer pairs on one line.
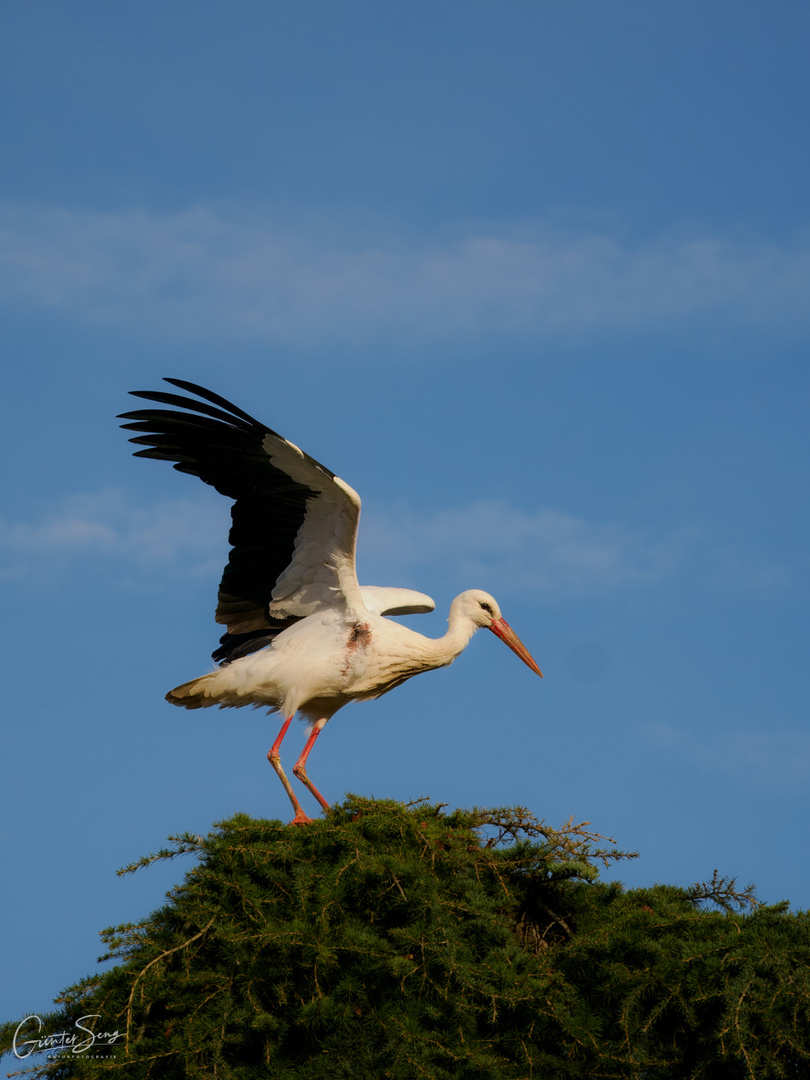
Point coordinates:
[[501, 628]]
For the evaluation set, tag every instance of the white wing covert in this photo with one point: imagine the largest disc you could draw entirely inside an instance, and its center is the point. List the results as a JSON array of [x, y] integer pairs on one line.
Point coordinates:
[[386, 600]]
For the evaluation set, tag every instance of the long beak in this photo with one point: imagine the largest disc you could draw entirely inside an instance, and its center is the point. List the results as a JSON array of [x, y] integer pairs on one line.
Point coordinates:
[[501, 628]]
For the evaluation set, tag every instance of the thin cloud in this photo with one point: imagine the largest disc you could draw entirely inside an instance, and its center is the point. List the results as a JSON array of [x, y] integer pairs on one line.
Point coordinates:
[[198, 272], [487, 544], [184, 534], [549, 551]]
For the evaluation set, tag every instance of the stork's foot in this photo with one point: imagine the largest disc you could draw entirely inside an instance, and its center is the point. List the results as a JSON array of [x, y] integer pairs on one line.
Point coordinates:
[[301, 818]]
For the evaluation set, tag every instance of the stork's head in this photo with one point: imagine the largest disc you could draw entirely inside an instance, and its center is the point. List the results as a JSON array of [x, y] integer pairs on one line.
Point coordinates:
[[482, 610]]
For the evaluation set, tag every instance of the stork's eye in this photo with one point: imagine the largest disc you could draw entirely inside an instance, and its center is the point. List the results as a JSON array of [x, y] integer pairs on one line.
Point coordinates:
[[486, 607]]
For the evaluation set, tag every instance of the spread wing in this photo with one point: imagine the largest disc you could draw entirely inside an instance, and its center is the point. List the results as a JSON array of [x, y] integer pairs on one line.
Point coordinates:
[[294, 522]]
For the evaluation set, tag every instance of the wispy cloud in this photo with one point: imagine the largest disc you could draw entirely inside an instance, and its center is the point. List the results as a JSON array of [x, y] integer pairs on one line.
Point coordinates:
[[547, 550], [491, 545], [200, 272], [184, 534]]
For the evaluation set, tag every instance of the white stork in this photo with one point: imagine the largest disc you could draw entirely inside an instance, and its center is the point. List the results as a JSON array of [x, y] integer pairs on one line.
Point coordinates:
[[302, 634]]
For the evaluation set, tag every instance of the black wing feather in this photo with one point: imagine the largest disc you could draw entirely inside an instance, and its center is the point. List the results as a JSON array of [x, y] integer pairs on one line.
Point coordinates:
[[223, 446], [215, 399]]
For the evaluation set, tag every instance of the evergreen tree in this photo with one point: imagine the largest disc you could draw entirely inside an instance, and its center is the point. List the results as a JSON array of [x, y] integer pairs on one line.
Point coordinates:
[[403, 942]]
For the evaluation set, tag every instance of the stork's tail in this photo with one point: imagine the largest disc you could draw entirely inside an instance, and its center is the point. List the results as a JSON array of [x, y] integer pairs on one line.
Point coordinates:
[[198, 694], [215, 688], [225, 687]]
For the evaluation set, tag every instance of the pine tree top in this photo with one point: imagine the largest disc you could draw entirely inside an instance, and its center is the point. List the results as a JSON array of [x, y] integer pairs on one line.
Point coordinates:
[[400, 941]]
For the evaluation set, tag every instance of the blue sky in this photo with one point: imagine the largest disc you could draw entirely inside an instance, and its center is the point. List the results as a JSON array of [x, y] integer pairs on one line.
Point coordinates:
[[534, 278]]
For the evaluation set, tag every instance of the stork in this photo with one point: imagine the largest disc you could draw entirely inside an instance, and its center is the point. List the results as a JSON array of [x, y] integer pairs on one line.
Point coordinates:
[[301, 634]]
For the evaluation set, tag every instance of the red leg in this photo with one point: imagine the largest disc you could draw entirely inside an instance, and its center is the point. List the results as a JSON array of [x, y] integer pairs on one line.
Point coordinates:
[[274, 757], [299, 769]]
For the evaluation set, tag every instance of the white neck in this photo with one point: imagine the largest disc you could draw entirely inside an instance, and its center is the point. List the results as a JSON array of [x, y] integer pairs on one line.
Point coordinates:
[[445, 649]]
